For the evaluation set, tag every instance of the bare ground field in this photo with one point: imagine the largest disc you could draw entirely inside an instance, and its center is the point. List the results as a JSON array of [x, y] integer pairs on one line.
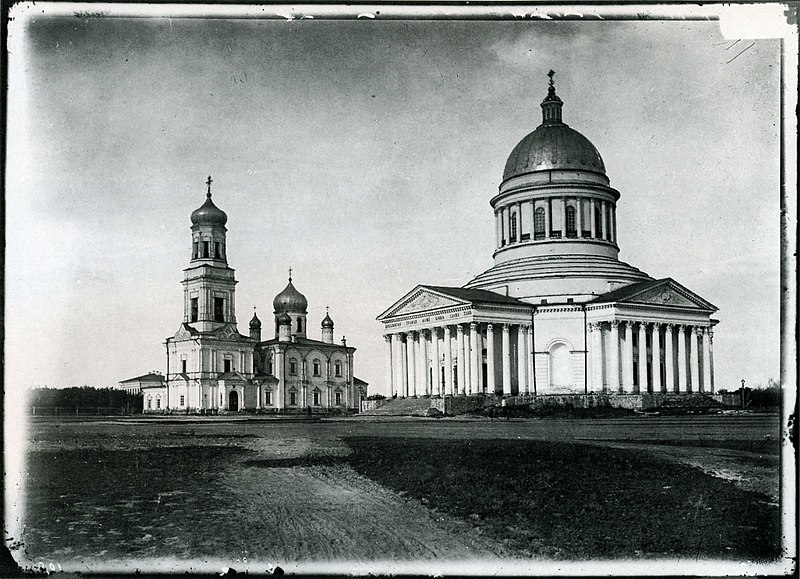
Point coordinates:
[[119, 492]]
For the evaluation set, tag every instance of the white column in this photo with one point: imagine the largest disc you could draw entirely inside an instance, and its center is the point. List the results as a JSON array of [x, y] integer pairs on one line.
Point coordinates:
[[403, 390], [579, 215], [614, 223], [531, 368], [627, 362], [467, 355], [710, 352], [707, 360], [519, 221], [522, 358], [389, 372], [506, 360], [603, 220], [669, 361], [412, 362], [490, 385], [592, 218], [241, 405], [503, 236], [695, 359], [681, 383], [613, 373], [642, 357], [548, 224], [474, 387], [460, 359], [656, 355], [448, 359], [258, 397], [497, 229], [596, 328], [563, 218], [436, 382], [426, 375]]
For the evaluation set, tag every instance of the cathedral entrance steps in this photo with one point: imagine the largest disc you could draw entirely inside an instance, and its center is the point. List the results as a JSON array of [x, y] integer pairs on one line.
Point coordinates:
[[400, 407]]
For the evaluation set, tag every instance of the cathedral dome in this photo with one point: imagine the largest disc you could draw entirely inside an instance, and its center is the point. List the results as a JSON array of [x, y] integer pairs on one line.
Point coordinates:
[[290, 300], [209, 214], [553, 145]]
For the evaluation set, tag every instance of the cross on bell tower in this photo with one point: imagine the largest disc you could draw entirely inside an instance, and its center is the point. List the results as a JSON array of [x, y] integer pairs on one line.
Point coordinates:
[[209, 181]]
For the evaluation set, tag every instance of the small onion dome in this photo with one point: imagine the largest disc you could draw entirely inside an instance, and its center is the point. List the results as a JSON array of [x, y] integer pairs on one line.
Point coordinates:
[[290, 300], [209, 214], [255, 323], [327, 322], [284, 320]]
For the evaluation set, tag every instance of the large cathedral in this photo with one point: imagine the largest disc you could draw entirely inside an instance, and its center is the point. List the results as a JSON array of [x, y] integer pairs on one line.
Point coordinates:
[[211, 367], [558, 312]]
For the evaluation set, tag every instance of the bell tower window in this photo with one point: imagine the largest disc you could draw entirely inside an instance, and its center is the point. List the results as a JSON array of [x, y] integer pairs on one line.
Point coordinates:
[[205, 248], [299, 324], [193, 313], [195, 250], [226, 365], [538, 223], [219, 309]]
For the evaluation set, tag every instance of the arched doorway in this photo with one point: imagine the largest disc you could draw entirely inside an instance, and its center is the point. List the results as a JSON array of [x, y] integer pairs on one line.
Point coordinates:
[[233, 401], [560, 367]]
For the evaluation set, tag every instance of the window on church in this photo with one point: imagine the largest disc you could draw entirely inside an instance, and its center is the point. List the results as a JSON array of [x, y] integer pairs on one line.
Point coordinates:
[[293, 398], [513, 235], [195, 250], [182, 400], [158, 402], [269, 367], [337, 368], [219, 309], [598, 225], [538, 223], [267, 398], [226, 365], [193, 310], [183, 366], [217, 250], [293, 367], [316, 397], [338, 399], [205, 248], [572, 229], [316, 367], [149, 403], [299, 324]]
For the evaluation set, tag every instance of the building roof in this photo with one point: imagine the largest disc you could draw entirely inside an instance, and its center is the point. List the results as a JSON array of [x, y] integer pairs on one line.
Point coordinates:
[[149, 377], [359, 382], [476, 295], [643, 292], [553, 145], [300, 341], [231, 376]]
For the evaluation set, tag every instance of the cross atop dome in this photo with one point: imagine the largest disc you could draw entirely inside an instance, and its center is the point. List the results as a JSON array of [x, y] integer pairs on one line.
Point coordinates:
[[551, 105], [290, 274], [209, 182]]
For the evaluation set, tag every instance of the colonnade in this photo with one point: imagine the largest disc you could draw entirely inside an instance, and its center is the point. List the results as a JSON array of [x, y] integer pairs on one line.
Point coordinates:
[[666, 363], [448, 360], [601, 214]]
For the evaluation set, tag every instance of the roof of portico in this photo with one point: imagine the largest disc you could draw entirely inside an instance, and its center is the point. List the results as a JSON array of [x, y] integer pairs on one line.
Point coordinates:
[[663, 292], [436, 297]]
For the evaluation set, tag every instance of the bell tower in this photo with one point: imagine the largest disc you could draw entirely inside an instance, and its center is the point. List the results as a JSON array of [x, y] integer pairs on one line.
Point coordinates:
[[208, 283]]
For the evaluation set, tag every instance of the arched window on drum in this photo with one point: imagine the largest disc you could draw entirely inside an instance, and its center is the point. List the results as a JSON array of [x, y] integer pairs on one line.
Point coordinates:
[[538, 223], [513, 236], [572, 228]]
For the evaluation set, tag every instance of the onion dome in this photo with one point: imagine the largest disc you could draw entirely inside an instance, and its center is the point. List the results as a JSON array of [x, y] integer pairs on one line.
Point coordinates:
[[208, 213], [327, 322], [290, 300], [255, 323], [553, 145], [284, 320]]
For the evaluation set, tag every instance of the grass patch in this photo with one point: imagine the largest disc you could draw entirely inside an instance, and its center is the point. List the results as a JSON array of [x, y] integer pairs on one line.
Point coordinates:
[[573, 501]]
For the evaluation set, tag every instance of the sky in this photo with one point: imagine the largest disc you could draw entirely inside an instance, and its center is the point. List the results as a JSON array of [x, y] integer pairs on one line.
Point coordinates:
[[363, 155]]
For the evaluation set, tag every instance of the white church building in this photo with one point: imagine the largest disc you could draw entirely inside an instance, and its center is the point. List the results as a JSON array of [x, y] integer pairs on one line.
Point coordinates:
[[212, 368], [558, 312]]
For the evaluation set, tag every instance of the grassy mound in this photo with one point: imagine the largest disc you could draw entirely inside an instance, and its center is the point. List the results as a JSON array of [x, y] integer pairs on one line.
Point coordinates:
[[573, 501]]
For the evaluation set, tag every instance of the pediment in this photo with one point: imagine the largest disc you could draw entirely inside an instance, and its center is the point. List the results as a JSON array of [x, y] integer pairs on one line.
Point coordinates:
[[183, 333], [422, 300], [227, 332], [670, 294]]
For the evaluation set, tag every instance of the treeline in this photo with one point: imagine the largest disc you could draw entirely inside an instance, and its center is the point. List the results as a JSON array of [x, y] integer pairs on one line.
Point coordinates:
[[83, 399], [768, 397]]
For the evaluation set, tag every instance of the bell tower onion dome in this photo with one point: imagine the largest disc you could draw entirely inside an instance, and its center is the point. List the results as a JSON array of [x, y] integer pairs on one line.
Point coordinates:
[[208, 213]]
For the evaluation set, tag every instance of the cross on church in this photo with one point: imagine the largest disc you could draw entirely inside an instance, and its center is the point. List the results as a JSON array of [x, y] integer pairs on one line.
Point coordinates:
[[290, 274], [551, 74], [209, 182]]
